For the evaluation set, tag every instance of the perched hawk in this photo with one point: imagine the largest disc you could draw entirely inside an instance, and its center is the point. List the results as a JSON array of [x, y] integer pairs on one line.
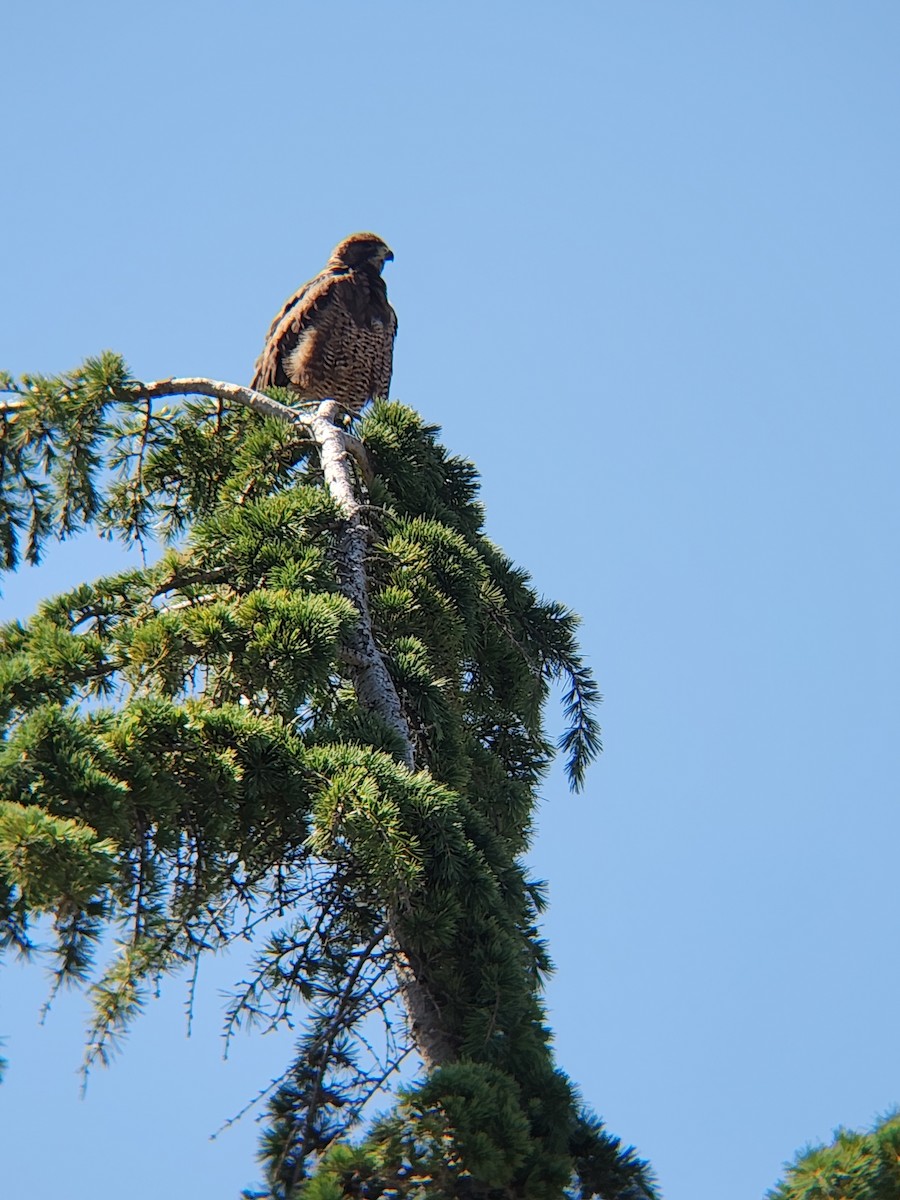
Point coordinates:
[[334, 338]]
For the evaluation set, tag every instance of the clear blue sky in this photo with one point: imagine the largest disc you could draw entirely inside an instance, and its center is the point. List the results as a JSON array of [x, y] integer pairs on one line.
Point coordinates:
[[647, 277]]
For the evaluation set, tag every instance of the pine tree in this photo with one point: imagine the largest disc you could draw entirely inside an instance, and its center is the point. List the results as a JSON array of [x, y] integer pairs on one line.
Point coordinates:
[[856, 1166], [316, 720]]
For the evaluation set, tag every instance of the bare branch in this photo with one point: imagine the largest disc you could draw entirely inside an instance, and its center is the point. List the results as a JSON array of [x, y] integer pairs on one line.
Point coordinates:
[[218, 390]]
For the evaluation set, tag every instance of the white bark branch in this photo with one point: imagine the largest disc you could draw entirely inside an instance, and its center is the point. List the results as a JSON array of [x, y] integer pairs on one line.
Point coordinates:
[[372, 680], [191, 385], [376, 691]]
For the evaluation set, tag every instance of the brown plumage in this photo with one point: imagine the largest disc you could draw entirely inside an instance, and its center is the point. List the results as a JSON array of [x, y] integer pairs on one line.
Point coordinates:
[[334, 338]]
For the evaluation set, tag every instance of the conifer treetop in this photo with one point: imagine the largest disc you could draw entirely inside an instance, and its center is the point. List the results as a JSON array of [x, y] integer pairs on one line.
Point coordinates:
[[316, 720]]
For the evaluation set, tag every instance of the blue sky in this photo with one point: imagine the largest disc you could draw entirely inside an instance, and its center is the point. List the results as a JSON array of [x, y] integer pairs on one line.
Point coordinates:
[[646, 272]]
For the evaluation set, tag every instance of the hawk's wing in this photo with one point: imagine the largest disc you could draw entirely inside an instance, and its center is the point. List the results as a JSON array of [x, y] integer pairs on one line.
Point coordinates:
[[321, 306], [382, 357]]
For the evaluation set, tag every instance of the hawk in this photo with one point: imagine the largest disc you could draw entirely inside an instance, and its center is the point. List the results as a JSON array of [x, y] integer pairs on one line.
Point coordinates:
[[334, 338]]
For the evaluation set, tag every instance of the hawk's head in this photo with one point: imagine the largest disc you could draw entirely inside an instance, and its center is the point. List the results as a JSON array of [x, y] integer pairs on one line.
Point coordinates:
[[361, 250]]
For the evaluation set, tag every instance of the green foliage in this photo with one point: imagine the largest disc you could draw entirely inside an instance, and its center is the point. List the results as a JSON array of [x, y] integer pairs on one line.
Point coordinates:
[[51, 451], [466, 1133], [52, 862], [856, 1166], [184, 762]]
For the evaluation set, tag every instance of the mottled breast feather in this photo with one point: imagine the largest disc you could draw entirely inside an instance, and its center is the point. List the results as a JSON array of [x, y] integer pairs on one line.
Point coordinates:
[[333, 339]]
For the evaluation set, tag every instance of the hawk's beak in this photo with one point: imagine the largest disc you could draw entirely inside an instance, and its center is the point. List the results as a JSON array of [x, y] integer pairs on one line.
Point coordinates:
[[389, 256]]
